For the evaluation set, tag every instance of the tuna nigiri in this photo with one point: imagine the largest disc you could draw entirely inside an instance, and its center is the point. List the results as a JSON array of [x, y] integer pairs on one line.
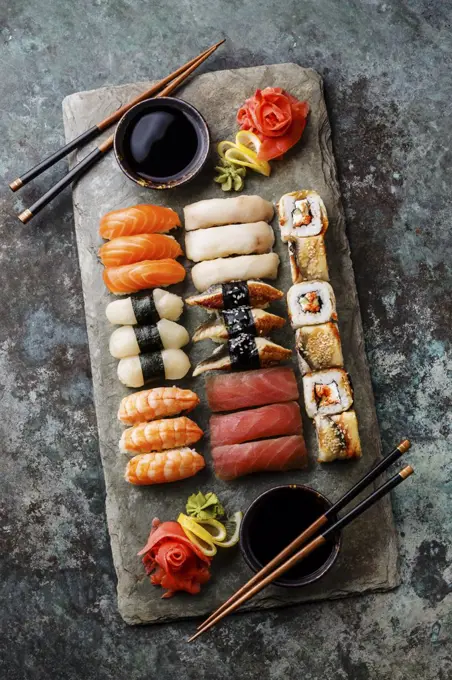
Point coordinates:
[[159, 402], [276, 455], [234, 391], [256, 423], [138, 219], [158, 435], [131, 278], [130, 249], [166, 466]]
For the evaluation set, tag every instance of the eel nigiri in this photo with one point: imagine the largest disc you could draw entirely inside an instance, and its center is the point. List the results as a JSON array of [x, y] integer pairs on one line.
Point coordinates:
[[138, 219], [256, 423], [234, 294], [232, 391], [232, 239], [169, 364], [130, 249], [234, 321], [216, 211], [131, 278], [162, 467], [132, 340], [158, 402], [244, 351], [158, 435], [276, 455], [145, 309], [241, 268]]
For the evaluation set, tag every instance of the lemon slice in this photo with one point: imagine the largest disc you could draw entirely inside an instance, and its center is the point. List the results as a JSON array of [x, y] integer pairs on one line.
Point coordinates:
[[241, 155], [197, 535], [216, 529], [224, 145], [233, 530], [248, 139]]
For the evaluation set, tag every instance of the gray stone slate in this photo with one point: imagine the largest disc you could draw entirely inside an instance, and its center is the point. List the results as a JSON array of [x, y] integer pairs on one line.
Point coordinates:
[[368, 560]]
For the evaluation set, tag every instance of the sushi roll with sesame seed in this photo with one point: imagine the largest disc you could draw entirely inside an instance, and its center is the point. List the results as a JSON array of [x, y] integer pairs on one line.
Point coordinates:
[[337, 437], [307, 258], [327, 392], [318, 347]]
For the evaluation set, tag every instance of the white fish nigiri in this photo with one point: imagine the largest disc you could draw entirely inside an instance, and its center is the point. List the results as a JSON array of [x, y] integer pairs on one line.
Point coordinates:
[[169, 364], [232, 239], [242, 268], [132, 340], [145, 309], [236, 210]]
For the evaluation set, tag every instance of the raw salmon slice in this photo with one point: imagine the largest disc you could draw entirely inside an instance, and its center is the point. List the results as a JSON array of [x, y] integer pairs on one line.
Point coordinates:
[[131, 278], [138, 219], [235, 391], [276, 455], [130, 249], [267, 421]]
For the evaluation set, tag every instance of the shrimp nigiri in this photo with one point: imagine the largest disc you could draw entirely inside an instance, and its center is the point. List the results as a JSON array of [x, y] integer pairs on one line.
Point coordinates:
[[138, 219], [166, 466], [130, 249], [159, 435], [131, 278], [158, 402]]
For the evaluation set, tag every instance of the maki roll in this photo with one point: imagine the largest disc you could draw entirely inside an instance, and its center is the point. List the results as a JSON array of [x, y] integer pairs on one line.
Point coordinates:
[[244, 352], [337, 437], [308, 259], [301, 213], [327, 392], [311, 303], [318, 347], [132, 340], [145, 309], [169, 364]]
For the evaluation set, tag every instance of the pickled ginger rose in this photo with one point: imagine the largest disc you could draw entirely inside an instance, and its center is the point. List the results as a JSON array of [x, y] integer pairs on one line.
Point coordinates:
[[172, 561], [276, 117]]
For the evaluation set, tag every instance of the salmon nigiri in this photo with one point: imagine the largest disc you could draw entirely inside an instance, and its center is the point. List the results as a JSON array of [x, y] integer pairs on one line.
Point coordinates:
[[131, 278], [166, 466], [138, 219], [130, 249]]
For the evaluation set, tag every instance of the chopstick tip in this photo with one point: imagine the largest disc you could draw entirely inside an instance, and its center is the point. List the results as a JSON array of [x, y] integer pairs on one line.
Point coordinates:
[[404, 446], [406, 472], [25, 216], [14, 186]]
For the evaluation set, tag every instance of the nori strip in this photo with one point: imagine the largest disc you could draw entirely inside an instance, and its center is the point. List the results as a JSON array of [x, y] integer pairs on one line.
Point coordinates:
[[239, 320], [145, 310], [152, 366], [235, 294], [148, 338], [243, 351]]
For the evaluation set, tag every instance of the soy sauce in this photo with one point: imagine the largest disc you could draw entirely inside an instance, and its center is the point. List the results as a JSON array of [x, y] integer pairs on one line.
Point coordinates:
[[161, 143], [279, 519]]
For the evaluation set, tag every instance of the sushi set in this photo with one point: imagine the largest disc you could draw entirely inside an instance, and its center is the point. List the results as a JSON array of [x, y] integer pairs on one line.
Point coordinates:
[[227, 352]]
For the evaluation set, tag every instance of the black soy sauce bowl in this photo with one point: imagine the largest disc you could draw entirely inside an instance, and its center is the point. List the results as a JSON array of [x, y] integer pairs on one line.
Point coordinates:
[[131, 118], [274, 519]]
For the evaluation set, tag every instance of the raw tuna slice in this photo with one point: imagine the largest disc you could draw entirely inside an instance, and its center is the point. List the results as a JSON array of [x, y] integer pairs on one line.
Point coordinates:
[[251, 388], [276, 455], [257, 423]]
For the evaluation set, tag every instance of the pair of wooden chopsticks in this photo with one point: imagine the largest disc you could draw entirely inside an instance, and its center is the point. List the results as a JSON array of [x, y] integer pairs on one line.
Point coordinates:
[[277, 566], [177, 77]]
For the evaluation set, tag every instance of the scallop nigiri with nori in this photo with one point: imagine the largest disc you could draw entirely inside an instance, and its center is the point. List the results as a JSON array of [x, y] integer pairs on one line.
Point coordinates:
[[243, 352], [145, 309], [169, 364], [138, 219], [132, 340], [233, 321]]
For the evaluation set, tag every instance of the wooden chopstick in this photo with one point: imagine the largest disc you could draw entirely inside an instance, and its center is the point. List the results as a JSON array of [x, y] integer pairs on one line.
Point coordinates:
[[98, 152], [313, 545], [373, 473], [97, 129]]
